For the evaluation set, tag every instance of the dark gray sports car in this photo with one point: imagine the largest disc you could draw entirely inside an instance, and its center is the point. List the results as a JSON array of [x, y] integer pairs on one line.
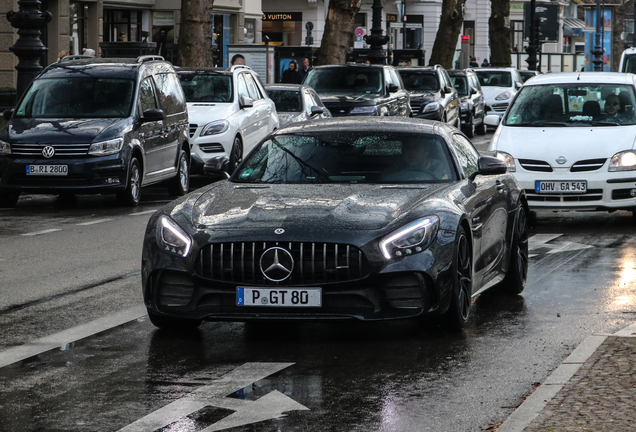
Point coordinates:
[[349, 218]]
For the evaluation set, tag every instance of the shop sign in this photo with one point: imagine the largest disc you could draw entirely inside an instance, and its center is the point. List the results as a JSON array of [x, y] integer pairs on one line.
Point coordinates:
[[163, 18], [283, 16]]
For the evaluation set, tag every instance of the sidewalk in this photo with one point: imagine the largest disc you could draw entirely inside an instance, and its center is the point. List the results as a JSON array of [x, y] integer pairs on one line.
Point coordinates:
[[593, 390]]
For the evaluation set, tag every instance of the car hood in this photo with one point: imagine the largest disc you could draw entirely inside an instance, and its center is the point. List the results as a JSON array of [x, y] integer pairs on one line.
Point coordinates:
[[573, 143], [233, 206], [424, 97], [285, 118], [492, 92], [202, 113], [69, 131], [365, 99]]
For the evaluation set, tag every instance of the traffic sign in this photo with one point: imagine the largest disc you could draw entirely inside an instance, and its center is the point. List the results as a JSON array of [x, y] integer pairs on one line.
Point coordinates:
[[360, 32]]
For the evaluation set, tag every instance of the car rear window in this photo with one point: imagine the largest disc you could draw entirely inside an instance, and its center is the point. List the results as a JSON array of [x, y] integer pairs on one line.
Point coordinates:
[[286, 100], [419, 81]]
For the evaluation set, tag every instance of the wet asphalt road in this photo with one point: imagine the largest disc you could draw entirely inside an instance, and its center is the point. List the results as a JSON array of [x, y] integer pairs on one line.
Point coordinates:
[[396, 376]]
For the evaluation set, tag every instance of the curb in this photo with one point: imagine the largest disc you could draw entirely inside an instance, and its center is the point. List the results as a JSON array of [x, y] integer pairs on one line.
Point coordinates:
[[537, 401]]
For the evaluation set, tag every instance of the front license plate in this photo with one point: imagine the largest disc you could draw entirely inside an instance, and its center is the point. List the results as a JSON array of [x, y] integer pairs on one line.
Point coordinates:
[[48, 170], [286, 297], [560, 187]]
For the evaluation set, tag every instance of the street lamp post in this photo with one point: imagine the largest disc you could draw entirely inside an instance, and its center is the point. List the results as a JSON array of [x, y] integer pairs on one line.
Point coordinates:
[[598, 49], [533, 43], [376, 55], [28, 48]]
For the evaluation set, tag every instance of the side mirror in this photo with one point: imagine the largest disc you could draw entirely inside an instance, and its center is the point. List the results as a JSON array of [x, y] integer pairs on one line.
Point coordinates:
[[246, 102], [392, 88], [6, 114], [473, 90], [489, 165], [447, 89], [518, 85], [492, 120], [152, 115], [316, 110]]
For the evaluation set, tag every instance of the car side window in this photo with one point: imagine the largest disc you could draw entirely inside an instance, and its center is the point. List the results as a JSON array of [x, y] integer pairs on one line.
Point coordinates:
[[446, 78], [147, 98], [252, 88], [395, 78], [242, 86], [466, 154], [170, 93], [308, 102], [315, 99]]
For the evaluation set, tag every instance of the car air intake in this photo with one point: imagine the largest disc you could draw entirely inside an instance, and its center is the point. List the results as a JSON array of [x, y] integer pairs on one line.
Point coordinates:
[[193, 129], [535, 165], [307, 263], [588, 165]]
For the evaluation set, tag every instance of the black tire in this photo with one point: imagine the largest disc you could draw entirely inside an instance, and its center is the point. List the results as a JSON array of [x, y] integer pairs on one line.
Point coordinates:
[[174, 324], [481, 129], [469, 129], [458, 313], [9, 199], [236, 155], [132, 194], [180, 185], [515, 281]]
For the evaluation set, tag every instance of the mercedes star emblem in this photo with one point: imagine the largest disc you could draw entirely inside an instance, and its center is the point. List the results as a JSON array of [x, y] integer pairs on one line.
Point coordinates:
[[48, 152], [277, 264], [561, 160], [279, 231]]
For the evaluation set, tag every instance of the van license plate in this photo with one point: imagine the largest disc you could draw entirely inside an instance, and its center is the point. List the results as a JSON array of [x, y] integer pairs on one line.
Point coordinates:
[[560, 187], [283, 297], [47, 170]]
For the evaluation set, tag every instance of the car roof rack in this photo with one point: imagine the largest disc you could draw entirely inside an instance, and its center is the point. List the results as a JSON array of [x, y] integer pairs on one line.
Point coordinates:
[[145, 58], [75, 57]]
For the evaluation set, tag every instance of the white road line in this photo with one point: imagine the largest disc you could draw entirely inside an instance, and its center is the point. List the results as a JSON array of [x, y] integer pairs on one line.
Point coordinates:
[[97, 221], [270, 406], [73, 334], [142, 213], [42, 232]]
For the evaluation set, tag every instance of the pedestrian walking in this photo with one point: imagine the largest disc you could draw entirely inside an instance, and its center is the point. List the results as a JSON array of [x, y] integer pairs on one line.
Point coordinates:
[[304, 69], [291, 75], [485, 63], [473, 62]]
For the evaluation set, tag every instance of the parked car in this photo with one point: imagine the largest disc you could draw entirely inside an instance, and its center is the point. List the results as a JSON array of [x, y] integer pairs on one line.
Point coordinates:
[[360, 90], [471, 101], [230, 112], [628, 61], [568, 138], [97, 126], [342, 218], [527, 74], [499, 86], [295, 103], [432, 94]]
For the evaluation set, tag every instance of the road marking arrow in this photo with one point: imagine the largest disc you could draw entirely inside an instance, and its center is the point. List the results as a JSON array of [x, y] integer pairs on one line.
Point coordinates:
[[270, 406], [540, 241]]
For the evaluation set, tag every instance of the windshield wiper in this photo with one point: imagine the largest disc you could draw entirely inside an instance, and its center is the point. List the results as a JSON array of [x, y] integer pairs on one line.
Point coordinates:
[[603, 123], [538, 123]]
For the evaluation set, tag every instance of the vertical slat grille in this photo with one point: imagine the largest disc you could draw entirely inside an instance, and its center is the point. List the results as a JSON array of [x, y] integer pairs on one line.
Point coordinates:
[[313, 263]]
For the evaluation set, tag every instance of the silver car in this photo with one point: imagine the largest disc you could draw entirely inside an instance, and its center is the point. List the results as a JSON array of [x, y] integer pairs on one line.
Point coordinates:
[[295, 103]]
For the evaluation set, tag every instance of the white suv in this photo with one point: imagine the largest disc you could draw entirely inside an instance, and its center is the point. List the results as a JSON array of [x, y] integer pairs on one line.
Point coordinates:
[[499, 86], [229, 113]]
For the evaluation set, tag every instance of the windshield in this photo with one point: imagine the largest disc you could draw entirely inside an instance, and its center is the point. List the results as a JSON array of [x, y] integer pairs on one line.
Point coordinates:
[[573, 105], [419, 81], [78, 98], [345, 81], [286, 100], [629, 64], [461, 85], [494, 78], [351, 157], [206, 88]]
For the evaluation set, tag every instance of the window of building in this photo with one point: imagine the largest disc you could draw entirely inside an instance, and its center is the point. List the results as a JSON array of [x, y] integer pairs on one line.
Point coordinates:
[[78, 15], [516, 36], [122, 25]]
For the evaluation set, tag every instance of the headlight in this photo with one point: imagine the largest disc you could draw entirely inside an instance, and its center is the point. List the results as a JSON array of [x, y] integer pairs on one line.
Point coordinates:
[[106, 147], [432, 107], [5, 148], [623, 161], [410, 239], [505, 95], [215, 128], [464, 106], [172, 238], [508, 160], [371, 110]]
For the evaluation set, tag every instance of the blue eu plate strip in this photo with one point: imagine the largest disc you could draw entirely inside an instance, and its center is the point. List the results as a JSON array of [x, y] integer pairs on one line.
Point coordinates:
[[240, 296]]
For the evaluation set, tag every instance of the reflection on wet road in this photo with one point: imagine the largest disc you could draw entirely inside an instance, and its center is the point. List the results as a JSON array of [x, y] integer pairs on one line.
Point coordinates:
[[388, 376]]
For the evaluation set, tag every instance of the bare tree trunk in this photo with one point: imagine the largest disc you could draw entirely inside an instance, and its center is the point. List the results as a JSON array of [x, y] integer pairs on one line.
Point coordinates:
[[618, 16], [338, 36], [450, 25], [195, 33], [499, 30]]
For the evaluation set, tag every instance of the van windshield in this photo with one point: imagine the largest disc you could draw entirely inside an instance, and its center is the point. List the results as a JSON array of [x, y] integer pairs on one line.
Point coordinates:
[[573, 105], [86, 97], [629, 64]]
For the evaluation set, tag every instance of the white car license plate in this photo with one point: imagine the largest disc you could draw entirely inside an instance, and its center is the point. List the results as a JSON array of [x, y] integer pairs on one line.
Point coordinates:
[[560, 187], [286, 297], [49, 170]]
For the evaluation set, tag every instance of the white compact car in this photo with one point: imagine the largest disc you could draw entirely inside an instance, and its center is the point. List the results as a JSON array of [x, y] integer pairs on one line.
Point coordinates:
[[229, 113], [569, 140], [499, 86]]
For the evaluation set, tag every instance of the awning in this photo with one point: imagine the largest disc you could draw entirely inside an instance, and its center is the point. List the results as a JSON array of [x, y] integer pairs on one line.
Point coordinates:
[[573, 27]]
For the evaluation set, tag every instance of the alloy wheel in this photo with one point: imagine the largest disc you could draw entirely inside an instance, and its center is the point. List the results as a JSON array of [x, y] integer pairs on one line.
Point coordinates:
[[464, 277]]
